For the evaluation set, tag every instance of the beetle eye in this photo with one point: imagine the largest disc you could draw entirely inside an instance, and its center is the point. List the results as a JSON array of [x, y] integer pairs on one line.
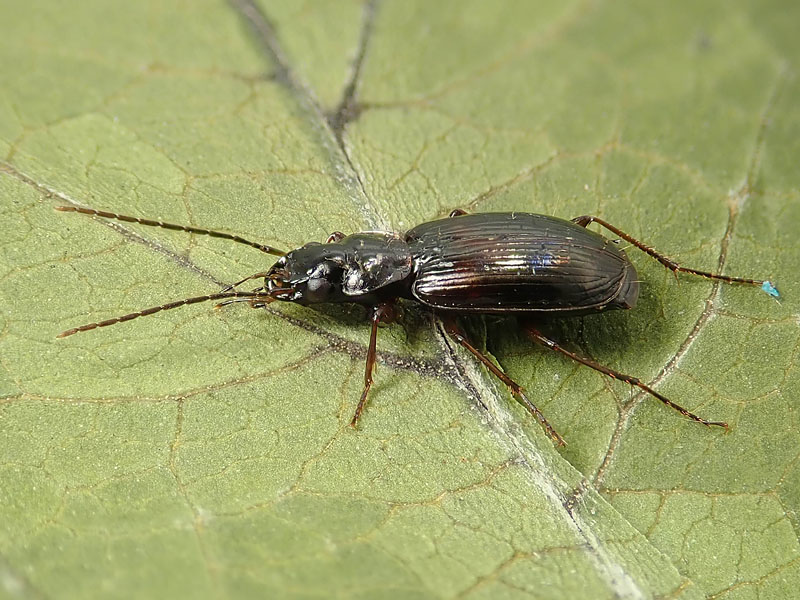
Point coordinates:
[[317, 289]]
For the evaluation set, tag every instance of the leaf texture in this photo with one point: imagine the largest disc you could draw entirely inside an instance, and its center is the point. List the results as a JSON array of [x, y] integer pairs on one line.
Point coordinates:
[[207, 453]]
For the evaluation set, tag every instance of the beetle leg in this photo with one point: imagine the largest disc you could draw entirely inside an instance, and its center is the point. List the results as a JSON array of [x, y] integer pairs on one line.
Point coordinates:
[[380, 313], [454, 330], [336, 236], [457, 212], [540, 338], [664, 260]]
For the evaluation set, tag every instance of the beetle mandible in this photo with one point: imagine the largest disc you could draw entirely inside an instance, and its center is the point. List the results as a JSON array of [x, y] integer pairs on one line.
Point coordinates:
[[511, 263]]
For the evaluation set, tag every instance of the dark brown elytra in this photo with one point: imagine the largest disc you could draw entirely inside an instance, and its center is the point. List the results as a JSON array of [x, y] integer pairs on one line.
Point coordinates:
[[521, 264]]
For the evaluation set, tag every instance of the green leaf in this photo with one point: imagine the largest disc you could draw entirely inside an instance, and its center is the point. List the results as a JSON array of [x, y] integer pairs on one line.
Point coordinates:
[[207, 453]]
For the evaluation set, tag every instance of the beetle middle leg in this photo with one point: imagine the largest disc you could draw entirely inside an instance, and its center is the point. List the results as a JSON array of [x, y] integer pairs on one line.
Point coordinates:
[[672, 265], [453, 329], [538, 337], [383, 313]]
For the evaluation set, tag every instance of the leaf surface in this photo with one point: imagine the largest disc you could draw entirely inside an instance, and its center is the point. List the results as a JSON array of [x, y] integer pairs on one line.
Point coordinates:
[[207, 452]]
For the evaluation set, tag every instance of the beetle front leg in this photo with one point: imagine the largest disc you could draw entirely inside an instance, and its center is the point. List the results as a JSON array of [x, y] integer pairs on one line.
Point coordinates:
[[538, 337], [381, 313], [672, 265], [453, 329]]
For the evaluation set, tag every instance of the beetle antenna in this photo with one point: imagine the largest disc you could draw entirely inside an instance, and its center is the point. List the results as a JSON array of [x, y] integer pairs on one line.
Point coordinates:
[[172, 226], [255, 296]]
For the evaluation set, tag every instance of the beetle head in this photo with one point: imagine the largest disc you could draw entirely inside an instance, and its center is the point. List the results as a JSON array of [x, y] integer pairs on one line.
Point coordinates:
[[350, 270]]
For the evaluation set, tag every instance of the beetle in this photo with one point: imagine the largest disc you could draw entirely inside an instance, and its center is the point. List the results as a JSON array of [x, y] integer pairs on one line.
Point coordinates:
[[511, 263]]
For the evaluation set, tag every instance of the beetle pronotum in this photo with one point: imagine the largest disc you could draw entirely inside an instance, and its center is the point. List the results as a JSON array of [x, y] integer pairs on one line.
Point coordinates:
[[516, 263]]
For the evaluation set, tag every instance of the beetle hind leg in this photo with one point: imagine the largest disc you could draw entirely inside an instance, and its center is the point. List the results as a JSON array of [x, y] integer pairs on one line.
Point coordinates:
[[454, 330], [542, 339], [672, 265]]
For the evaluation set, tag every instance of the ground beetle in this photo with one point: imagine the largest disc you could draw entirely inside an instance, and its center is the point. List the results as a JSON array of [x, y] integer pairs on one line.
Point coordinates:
[[514, 263]]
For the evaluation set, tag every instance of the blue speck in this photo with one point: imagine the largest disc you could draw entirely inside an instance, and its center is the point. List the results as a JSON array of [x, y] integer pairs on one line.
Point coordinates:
[[770, 289], [542, 260]]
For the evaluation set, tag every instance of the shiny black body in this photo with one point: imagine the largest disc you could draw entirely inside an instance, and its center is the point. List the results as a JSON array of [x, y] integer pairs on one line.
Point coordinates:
[[481, 263]]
